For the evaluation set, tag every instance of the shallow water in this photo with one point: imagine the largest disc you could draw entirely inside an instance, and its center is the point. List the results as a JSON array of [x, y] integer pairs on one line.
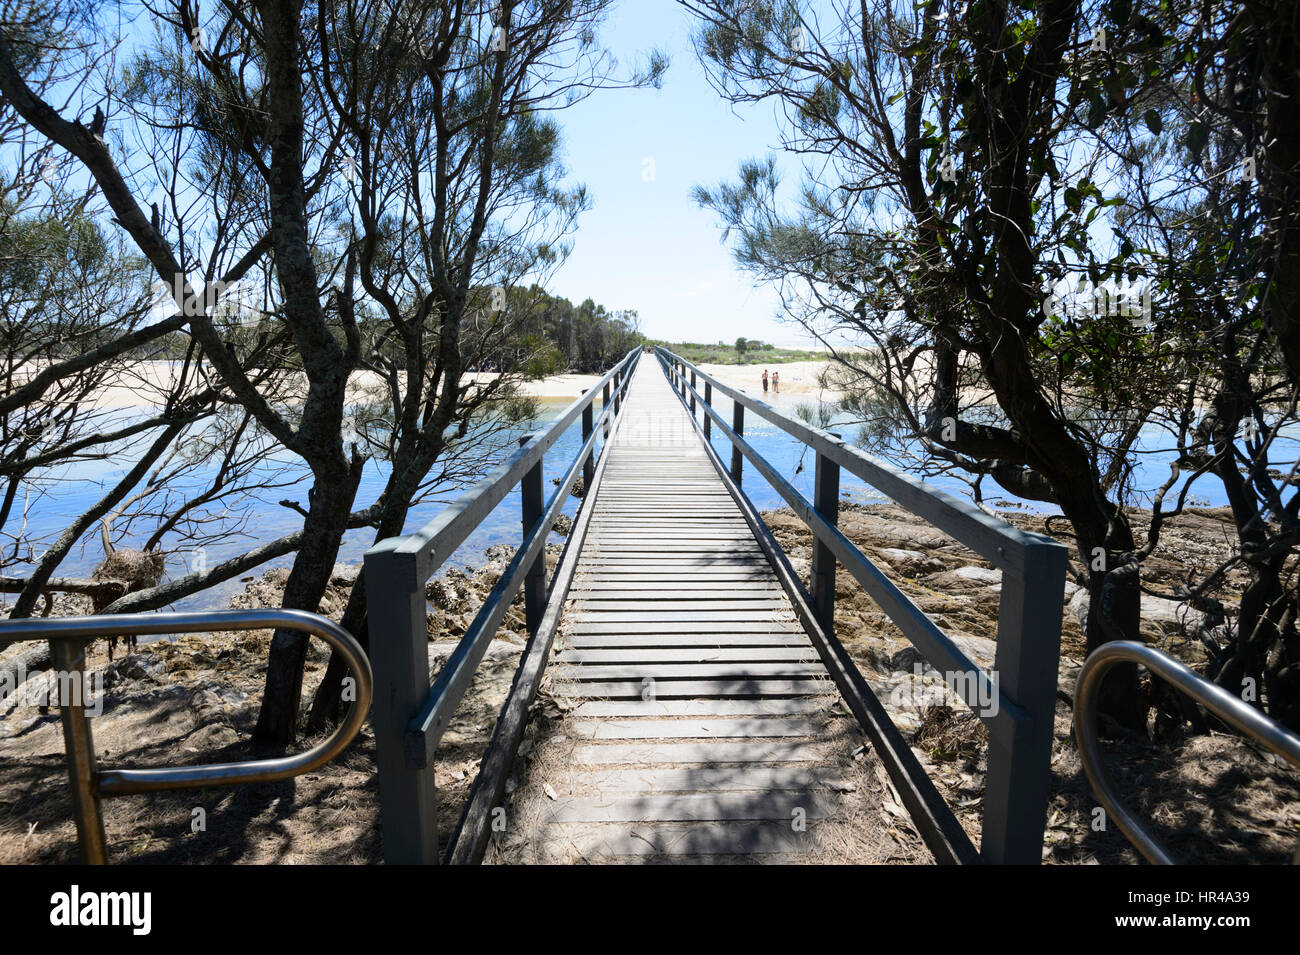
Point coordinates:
[[70, 493]]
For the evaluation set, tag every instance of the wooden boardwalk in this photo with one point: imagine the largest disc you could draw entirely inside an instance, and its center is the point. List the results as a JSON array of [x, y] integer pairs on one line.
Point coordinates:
[[699, 722]]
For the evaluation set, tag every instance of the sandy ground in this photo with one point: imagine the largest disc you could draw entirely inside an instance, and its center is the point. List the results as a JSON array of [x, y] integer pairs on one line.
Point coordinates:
[[1214, 798], [797, 378], [147, 383]]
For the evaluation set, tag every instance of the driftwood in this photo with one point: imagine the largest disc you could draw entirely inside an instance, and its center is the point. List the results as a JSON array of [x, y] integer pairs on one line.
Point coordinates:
[[22, 661], [103, 589], [121, 572]]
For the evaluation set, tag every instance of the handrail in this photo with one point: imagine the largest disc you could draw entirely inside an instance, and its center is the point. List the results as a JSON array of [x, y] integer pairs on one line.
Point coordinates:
[[68, 637], [998, 542], [1231, 709], [1022, 683], [410, 714]]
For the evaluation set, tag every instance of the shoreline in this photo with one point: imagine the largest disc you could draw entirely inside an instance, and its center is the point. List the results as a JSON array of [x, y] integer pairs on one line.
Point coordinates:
[[144, 384]]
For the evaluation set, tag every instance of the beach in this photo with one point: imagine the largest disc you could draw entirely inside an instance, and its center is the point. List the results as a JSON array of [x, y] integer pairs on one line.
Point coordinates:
[[146, 383]]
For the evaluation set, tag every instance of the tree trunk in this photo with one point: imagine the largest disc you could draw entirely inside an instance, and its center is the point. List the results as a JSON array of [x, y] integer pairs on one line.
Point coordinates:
[[312, 568], [327, 706]]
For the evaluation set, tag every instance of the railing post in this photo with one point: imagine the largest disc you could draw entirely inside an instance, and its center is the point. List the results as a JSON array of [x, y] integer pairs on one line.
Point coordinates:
[[692, 393], [533, 497], [69, 657], [1025, 671], [738, 426], [826, 501], [603, 405], [399, 656], [589, 465], [708, 418]]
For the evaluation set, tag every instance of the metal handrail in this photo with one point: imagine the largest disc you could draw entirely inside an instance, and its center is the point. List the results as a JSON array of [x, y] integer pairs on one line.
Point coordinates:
[[411, 714], [68, 637], [1230, 708], [1022, 683]]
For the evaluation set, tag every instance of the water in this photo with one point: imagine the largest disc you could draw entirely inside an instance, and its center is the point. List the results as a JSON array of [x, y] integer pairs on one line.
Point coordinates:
[[797, 464], [261, 518]]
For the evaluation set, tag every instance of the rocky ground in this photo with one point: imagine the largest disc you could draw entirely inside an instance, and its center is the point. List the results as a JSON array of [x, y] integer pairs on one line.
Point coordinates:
[[1214, 798]]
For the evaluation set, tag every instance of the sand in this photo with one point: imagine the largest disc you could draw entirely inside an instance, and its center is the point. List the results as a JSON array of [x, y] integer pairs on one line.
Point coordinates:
[[797, 378], [146, 384]]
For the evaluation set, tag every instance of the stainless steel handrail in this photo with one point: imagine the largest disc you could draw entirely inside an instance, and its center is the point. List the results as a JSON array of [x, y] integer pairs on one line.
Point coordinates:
[[68, 637], [1231, 709]]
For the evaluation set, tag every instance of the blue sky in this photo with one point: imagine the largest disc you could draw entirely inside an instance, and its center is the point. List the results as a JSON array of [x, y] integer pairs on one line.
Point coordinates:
[[645, 244]]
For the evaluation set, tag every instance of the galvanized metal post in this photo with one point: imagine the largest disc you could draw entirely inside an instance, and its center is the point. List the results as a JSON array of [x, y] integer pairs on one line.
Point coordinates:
[[738, 426], [826, 501], [1025, 668], [399, 656], [708, 418], [534, 500], [589, 465], [69, 657]]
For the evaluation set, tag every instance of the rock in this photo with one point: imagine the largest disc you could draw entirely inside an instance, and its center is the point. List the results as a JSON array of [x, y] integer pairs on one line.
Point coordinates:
[[345, 575], [215, 697], [1171, 614], [979, 575], [919, 537], [214, 736], [1168, 615], [1078, 606], [910, 560], [135, 666], [563, 525], [980, 650]]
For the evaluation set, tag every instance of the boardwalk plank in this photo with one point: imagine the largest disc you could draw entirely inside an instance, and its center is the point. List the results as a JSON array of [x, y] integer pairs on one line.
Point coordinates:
[[697, 707]]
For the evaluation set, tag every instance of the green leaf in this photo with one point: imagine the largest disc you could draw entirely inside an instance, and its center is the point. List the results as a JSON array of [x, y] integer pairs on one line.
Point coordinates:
[[1153, 121]]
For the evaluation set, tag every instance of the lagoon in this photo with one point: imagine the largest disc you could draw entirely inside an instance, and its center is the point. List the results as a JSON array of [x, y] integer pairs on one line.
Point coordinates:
[[68, 493]]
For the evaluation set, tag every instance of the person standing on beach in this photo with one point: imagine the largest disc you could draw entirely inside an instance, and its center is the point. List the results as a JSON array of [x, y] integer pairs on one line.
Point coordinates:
[[776, 382], [764, 381]]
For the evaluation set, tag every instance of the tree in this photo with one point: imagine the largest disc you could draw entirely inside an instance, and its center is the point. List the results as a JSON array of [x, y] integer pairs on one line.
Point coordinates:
[[962, 156], [950, 196], [384, 170]]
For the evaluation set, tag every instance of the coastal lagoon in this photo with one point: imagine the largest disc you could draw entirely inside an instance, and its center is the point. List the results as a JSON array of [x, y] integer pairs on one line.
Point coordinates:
[[260, 518]]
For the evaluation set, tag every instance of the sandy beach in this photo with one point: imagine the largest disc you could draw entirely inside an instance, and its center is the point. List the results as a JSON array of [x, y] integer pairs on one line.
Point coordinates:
[[146, 383], [797, 378]]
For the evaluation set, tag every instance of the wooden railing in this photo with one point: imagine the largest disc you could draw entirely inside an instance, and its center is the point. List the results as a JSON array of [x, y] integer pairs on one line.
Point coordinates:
[[410, 716], [1022, 682]]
